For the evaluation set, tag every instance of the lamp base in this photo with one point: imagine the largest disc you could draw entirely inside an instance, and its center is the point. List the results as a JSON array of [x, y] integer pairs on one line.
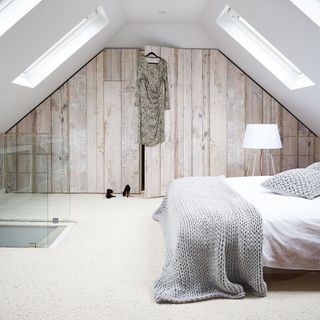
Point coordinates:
[[265, 157]]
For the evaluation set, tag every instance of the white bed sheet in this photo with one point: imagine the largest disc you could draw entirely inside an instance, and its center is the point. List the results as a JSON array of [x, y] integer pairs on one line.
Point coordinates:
[[291, 225]]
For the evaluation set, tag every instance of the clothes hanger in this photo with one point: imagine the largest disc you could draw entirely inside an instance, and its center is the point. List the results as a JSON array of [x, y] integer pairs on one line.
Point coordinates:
[[152, 55]]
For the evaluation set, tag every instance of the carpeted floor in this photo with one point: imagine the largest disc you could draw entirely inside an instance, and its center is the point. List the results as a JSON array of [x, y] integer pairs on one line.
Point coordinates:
[[106, 266]]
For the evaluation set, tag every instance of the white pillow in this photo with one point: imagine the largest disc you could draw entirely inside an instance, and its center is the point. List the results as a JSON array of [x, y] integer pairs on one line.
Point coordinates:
[[303, 183]]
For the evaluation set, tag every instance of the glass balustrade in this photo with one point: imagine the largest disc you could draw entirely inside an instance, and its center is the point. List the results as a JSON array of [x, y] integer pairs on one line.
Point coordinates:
[[34, 198]]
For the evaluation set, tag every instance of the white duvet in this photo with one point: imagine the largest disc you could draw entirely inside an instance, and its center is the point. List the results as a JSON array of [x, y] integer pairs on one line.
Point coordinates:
[[291, 225]]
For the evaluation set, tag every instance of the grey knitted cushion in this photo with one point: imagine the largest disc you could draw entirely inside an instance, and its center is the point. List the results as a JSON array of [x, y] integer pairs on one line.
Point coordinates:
[[303, 183], [314, 166]]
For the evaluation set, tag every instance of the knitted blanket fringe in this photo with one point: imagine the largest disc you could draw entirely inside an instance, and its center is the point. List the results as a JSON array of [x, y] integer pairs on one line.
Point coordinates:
[[213, 240]]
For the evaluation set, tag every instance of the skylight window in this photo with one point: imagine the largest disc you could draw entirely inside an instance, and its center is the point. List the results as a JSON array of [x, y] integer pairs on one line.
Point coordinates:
[[11, 11], [251, 40], [310, 8], [63, 49]]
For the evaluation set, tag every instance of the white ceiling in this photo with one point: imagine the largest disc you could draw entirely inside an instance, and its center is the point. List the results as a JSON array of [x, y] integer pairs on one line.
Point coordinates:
[[168, 35], [176, 11], [134, 23]]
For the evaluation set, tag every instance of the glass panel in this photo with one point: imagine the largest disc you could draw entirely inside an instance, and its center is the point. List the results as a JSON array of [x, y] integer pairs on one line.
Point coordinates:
[[35, 199], [59, 197]]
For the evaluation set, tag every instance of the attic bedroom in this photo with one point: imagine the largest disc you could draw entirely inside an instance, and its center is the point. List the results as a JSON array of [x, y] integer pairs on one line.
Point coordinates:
[[159, 160]]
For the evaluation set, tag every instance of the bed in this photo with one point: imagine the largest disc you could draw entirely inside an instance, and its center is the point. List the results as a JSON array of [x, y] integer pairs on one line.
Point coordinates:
[[220, 232], [291, 225]]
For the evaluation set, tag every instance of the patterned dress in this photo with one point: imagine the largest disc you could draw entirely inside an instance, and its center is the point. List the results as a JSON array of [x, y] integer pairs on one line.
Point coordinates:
[[152, 99]]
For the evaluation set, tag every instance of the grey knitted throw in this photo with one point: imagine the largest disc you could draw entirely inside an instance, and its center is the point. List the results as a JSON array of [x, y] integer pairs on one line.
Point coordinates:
[[214, 243]]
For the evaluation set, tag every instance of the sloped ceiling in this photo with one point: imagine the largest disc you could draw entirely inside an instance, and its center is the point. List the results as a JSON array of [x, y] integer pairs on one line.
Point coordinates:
[[33, 35], [292, 33], [177, 23]]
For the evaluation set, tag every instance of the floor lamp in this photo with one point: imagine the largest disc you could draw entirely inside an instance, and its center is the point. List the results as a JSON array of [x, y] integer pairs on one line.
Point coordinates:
[[263, 137]]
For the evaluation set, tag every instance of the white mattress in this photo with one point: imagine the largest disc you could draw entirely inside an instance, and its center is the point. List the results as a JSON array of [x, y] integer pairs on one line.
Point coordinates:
[[291, 225]]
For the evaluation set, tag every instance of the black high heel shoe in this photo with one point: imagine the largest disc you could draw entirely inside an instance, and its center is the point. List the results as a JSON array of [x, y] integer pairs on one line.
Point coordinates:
[[126, 191], [109, 194]]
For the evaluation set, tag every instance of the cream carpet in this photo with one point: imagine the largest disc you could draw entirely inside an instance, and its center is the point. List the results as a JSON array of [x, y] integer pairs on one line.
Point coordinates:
[[106, 266]]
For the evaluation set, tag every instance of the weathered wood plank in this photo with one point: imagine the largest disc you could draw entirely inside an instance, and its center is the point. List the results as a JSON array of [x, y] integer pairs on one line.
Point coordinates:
[[25, 134], [43, 145], [289, 153], [290, 146], [43, 118], [236, 121], [266, 103], [116, 64], [302, 130], [77, 132], [91, 129], [167, 148], [56, 110], [306, 151], [100, 125], [152, 159], [107, 64], [60, 140], [11, 162], [112, 127], [305, 146], [218, 113], [267, 119], [179, 115], [2, 173], [253, 111], [318, 149], [26, 148], [289, 124], [187, 114], [289, 162], [248, 117], [42, 183], [25, 183], [25, 172], [303, 161], [130, 169], [290, 141], [197, 115], [129, 64], [257, 103], [276, 118], [26, 125], [206, 110], [42, 173]]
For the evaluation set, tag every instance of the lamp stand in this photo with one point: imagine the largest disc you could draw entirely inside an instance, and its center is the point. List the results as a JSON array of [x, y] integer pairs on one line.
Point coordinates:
[[252, 163], [266, 157]]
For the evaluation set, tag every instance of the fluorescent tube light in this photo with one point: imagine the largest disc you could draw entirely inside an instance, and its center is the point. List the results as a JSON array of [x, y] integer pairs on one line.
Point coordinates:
[[251, 40], [63, 49], [11, 11], [310, 8]]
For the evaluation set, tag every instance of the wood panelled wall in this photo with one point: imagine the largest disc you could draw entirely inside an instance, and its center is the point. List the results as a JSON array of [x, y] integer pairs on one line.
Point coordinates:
[[211, 102], [90, 130], [85, 133], [1, 161]]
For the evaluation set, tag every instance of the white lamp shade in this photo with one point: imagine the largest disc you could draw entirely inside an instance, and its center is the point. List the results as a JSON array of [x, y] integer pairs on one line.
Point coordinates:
[[262, 136]]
